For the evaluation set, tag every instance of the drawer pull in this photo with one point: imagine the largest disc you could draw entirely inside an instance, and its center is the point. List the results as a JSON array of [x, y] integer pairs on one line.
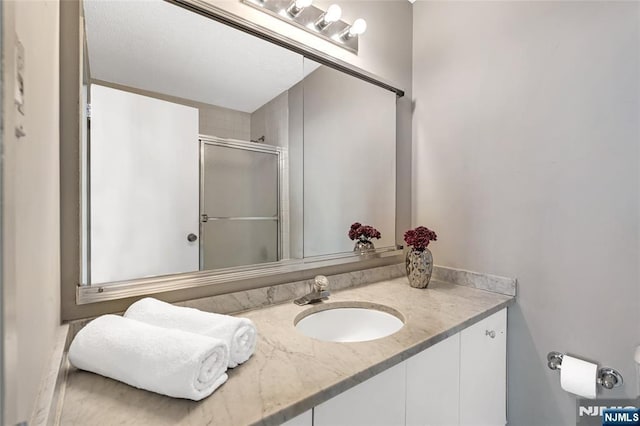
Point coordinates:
[[491, 333]]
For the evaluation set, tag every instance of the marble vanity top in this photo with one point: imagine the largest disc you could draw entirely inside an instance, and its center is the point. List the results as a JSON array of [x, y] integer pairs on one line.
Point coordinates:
[[289, 373]]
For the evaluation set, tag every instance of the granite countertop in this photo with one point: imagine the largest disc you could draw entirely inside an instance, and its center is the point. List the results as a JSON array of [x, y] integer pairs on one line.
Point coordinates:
[[289, 373]]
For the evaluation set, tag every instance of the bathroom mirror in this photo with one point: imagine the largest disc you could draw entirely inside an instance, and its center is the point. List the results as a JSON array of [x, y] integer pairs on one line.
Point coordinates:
[[207, 148]]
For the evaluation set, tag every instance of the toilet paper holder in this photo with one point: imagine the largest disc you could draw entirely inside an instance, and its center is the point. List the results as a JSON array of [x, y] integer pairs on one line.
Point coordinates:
[[608, 378]]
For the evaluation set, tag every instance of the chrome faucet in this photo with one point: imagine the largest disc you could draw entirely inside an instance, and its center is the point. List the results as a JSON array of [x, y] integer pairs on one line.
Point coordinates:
[[320, 292]]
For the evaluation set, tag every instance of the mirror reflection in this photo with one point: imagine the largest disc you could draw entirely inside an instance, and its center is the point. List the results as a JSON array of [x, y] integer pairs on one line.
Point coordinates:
[[207, 148], [349, 160]]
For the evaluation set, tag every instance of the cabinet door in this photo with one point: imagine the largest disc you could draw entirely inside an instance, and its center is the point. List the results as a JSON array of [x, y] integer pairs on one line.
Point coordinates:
[[433, 385], [304, 419], [483, 373], [377, 401]]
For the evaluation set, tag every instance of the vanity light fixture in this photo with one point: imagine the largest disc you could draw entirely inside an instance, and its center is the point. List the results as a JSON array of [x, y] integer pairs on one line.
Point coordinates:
[[325, 24], [297, 6], [333, 14]]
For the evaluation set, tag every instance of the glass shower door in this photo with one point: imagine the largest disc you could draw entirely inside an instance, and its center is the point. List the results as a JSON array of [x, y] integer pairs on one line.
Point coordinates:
[[239, 204]]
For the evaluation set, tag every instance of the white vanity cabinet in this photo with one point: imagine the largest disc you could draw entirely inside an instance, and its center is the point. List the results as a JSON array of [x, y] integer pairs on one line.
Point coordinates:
[[483, 372], [460, 381], [433, 385], [377, 401]]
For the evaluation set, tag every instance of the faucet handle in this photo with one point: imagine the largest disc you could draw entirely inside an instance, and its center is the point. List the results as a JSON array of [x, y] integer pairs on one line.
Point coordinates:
[[320, 283]]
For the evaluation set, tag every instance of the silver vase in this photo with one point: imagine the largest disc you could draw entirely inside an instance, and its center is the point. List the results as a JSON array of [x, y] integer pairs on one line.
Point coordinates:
[[363, 247], [419, 265]]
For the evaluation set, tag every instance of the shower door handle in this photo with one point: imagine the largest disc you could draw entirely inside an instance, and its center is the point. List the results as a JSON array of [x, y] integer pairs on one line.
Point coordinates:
[[192, 237]]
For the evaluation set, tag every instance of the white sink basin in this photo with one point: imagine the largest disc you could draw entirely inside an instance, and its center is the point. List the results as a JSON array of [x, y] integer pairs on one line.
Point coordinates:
[[353, 322]]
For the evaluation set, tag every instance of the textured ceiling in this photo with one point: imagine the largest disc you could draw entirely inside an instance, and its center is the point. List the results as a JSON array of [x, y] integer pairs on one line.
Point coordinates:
[[159, 47]]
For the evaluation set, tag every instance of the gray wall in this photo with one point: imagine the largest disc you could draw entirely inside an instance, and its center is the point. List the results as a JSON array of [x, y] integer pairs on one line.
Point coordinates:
[[30, 205], [224, 122], [271, 120], [526, 159], [349, 161]]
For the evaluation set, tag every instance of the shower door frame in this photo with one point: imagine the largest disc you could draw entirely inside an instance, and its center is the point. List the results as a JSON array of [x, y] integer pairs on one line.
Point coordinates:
[[282, 218]]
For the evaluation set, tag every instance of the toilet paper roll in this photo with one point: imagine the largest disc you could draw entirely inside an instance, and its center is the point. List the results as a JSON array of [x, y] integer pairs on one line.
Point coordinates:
[[578, 376]]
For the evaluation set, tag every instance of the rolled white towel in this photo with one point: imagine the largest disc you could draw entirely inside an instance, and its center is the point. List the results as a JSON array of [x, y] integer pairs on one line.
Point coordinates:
[[239, 333], [165, 361]]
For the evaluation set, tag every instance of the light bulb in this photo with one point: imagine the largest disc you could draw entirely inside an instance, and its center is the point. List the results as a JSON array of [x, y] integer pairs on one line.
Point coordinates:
[[296, 7], [333, 14], [358, 27]]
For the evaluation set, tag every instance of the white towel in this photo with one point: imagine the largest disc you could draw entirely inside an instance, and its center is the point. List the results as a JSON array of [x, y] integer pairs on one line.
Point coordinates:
[[239, 333], [169, 362]]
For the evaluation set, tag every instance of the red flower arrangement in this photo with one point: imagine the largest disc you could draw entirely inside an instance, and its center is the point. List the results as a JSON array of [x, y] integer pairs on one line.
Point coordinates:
[[420, 237], [363, 232]]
